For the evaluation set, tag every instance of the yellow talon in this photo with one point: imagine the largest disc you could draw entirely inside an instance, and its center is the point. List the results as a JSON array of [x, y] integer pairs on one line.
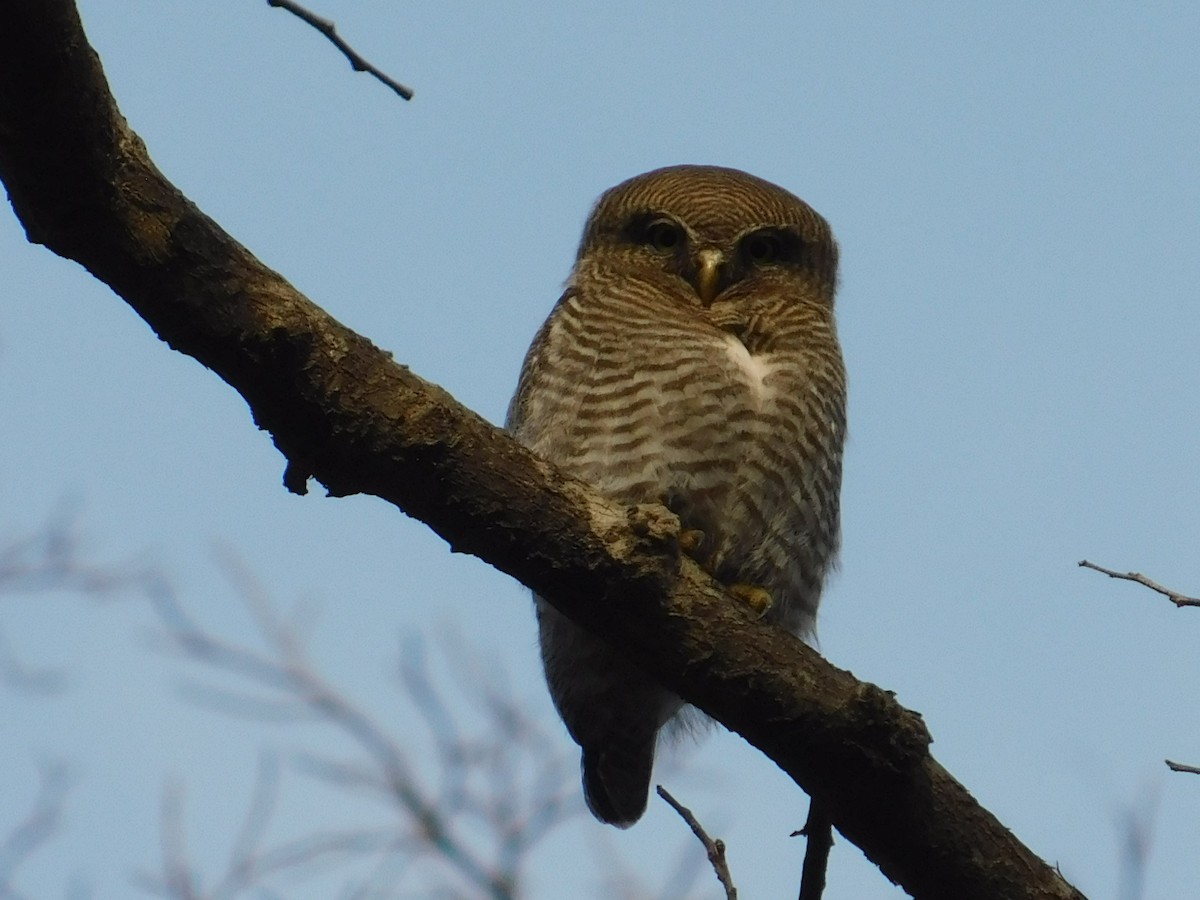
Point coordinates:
[[758, 599], [690, 539]]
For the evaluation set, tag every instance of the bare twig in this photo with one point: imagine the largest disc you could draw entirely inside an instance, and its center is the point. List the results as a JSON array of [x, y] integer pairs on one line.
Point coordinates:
[[1175, 597], [250, 864], [27, 678], [1135, 827], [327, 28], [499, 790], [38, 826], [507, 777], [49, 559], [178, 881], [1182, 767], [245, 856], [818, 831], [714, 848]]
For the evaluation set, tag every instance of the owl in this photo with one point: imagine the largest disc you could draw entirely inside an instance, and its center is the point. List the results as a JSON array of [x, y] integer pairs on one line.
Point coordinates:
[[691, 361]]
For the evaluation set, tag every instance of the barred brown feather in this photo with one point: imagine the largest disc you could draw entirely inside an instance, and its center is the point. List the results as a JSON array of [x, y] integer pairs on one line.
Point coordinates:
[[692, 361]]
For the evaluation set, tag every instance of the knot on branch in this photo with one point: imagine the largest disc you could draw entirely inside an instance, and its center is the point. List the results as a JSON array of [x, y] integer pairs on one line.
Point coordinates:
[[895, 737], [656, 528]]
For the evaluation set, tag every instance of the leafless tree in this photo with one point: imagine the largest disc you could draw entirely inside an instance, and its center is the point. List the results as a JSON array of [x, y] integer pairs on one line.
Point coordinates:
[[38, 826], [460, 809], [467, 830]]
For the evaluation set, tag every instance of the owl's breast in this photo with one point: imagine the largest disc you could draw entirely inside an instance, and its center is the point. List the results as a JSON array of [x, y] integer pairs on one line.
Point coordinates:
[[653, 408], [750, 370]]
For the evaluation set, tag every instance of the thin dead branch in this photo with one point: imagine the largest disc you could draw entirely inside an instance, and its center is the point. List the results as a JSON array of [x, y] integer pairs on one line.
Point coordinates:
[[28, 678], [1180, 600], [714, 848], [1135, 829], [504, 776], [51, 558], [327, 28], [178, 881], [48, 559], [818, 835], [1182, 767], [39, 825]]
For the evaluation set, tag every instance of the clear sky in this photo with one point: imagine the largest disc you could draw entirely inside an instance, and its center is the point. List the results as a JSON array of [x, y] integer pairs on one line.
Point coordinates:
[[1016, 191]]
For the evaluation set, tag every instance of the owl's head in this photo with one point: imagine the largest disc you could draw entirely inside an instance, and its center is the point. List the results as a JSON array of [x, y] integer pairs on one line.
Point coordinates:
[[721, 230]]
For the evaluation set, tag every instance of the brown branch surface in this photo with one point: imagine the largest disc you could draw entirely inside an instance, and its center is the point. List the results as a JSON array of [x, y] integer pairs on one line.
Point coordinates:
[[1180, 600], [818, 841], [340, 410]]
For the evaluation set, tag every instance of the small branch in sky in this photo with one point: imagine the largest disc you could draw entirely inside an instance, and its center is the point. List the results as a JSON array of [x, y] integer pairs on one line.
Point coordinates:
[[40, 824], [1135, 826], [818, 831], [1175, 597], [327, 28], [1182, 767], [714, 848]]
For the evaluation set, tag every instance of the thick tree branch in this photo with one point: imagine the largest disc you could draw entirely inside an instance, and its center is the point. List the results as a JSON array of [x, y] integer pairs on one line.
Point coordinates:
[[341, 411]]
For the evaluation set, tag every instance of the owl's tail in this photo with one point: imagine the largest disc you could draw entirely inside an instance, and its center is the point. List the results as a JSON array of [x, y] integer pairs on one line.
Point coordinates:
[[616, 778]]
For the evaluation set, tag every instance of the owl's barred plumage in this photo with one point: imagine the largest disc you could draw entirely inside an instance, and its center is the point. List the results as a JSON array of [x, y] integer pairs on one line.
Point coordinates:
[[692, 361]]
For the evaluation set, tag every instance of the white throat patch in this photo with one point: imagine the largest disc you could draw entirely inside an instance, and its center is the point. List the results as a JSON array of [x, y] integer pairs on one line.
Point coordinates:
[[753, 368]]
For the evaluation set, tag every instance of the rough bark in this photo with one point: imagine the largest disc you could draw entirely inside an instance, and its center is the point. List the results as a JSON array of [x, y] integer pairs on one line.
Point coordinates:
[[341, 411]]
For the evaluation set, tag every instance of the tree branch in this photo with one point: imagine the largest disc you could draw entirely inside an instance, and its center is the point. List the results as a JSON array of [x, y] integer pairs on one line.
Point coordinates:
[[818, 841], [713, 849], [1182, 767], [340, 410], [39, 825], [1180, 600], [327, 28]]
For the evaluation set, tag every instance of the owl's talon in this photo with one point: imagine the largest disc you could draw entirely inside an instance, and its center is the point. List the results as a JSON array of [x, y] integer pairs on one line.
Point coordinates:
[[690, 540], [758, 599]]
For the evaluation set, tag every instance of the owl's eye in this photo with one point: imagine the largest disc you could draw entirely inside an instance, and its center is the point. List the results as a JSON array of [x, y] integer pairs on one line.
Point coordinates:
[[664, 235], [763, 248]]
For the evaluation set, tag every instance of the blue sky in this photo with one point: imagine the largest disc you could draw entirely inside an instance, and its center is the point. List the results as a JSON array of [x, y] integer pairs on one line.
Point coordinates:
[[1016, 193]]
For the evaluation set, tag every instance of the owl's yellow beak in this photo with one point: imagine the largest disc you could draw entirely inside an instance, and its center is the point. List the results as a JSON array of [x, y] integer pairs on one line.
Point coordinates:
[[708, 274]]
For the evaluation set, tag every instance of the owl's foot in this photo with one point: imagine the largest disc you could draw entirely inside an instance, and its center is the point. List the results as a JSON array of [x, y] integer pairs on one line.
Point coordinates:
[[690, 540], [758, 599]]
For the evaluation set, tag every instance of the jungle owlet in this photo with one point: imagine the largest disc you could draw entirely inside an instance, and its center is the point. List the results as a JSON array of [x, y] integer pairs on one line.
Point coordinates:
[[692, 361]]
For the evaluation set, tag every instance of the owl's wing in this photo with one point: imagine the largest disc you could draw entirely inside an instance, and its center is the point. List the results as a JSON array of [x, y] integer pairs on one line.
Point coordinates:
[[531, 370]]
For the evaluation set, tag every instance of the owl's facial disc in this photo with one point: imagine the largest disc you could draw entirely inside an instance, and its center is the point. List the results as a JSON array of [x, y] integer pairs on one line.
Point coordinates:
[[710, 266]]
